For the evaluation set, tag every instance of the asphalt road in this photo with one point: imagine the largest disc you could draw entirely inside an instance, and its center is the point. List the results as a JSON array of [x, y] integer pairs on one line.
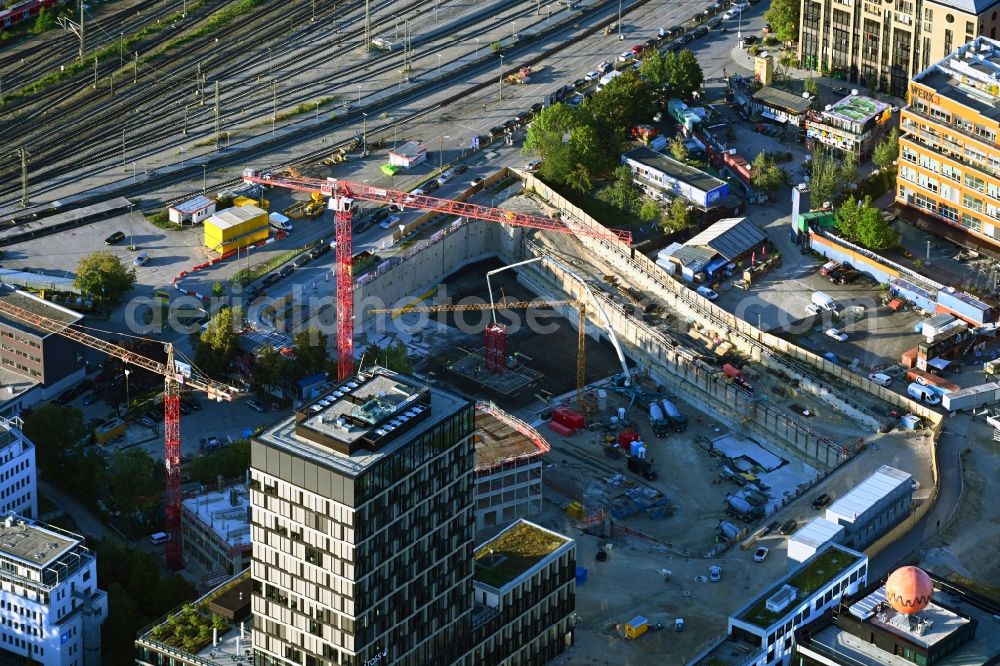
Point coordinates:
[[89, 524]]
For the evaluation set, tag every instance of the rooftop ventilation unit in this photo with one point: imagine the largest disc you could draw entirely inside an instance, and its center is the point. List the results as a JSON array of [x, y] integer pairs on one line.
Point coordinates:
[[781, 599]]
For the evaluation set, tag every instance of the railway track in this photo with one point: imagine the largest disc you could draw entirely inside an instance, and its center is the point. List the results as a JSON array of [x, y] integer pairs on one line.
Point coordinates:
[[259, 154], [101, 144]]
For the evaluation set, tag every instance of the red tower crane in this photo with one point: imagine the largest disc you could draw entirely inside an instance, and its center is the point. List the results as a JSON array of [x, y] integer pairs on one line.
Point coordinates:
[[342, 196], [175, 375]]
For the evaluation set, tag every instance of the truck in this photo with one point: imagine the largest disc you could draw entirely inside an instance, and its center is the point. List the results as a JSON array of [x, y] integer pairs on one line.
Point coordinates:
[[678, 421], [972, 397], [739, 508], [642, 467], [607, 78], [659, 424], [823, 301], [729, 531]]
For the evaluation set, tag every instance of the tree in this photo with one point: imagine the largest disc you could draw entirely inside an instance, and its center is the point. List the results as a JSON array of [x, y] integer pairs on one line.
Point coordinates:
[[104, 276], [862, 223], [392, 356], [268, 368], [218, 342], [783, 15], [649, 210], [55, 430], [684, 75], [547, 138], [624, 102], [766, 175], [887, 152], [218, 289], [823, 179], [46, 19], [229, 462], [621, 193], [679, 149], [579, 178], [810, 86], [678, 216], [310, 352], [654, 69], [135, 480], [849, 168], [496, 47]]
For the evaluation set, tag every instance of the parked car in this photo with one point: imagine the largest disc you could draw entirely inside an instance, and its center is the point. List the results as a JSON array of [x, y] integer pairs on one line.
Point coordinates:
[[255, 406], [183, 408], [445, 177], [710, 294], [536, 107], [412, 196], [605, 67], [477, 181], [389, 222], [304, 259], [771, 527], [270, 279], [146, 421], [841, 90], [715, 574], [320, 250], [286, 270], [592, 76], [533, 165], [700, 31], [430, 186], [822, 501], [155, 414], [730, 14], [89, 399], [625, 57], [460, 168], [789, 526], [849, 276], [192, 403], [829, 266], [114, 238], [836, 334], [880, 379], [835, 274], [141, 260], [761, 554]]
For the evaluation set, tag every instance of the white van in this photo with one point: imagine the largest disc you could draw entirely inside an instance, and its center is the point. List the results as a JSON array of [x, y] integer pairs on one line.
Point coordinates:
[[606, 79], [823, 301], [280, 222], [158, 538], [918, 392]]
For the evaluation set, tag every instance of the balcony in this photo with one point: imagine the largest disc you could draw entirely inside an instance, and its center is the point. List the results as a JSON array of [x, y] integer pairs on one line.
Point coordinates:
[[984, 141], [934, 143]]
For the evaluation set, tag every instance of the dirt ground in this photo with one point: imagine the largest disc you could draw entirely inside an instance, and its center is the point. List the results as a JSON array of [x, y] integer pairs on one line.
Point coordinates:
[[960, 549]]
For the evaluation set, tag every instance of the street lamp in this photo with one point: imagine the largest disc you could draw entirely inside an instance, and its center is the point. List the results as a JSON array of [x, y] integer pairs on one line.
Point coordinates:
[[204, 178], [131, 236], [477, 47], [227, 140], [359, 93], [620, 20], [739, 29], [402, 229], [439, 64], [127, 398], [364, 132], [513, 30]]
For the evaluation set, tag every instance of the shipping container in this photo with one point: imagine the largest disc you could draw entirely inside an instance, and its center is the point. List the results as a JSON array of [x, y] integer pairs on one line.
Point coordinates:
[[236, 228], [972, 397], [568, 418], [109, 430], [935, 383], [963, 305]]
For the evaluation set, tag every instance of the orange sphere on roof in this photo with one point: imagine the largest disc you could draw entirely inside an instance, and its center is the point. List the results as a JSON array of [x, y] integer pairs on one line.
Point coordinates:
[[908, 590]]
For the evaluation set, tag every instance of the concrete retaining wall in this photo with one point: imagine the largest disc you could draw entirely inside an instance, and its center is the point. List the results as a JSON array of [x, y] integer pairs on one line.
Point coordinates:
[[771, 351]]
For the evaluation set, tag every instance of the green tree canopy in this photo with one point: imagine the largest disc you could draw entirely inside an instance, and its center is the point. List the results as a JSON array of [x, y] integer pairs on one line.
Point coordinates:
[[625, 101], [678, 216], [849, 168], [783, 15], [393, 356], [810, 86], [55, 430], [766, 175], [574, 146], [654, 69], [649, 211], [861, 222], [135, 480], [684, 74], [621, 193], [824, 178], [103, 275], [310, 352], [679, 149], [230, 461], [218, 342], [887, 151]]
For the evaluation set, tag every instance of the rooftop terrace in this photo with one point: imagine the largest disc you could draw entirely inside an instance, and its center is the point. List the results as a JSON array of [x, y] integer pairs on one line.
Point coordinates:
[[814, 574], [512, 552], [32, 544]]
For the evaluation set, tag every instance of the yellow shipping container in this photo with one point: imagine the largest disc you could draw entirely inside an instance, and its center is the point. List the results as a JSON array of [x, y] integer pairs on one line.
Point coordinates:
[[241, 201], [235, 228], [636, 627]]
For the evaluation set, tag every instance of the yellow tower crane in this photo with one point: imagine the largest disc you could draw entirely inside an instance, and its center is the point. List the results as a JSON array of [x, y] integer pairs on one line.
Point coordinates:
[[586, 404]]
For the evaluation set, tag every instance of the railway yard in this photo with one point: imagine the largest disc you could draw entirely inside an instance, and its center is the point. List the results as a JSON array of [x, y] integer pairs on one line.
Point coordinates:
[[276, 100]]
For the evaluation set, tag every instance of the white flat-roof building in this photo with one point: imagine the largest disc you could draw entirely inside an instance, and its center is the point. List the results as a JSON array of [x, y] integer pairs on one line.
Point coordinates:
[[192, 211], [873, 506], [18, 476], [810, 538], [51, 609], [409, 154], [216, 529]]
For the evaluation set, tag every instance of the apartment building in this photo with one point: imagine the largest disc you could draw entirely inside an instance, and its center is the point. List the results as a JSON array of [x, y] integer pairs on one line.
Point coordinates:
[[883, 44], [215, 526], [949, 159], [51, 609], [18, 475], [362, 520]]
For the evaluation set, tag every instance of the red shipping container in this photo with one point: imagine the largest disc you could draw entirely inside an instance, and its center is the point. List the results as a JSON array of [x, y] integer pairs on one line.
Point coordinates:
[[909, 358], [732, 371], [559, 428], [567, 417], [921, 377]]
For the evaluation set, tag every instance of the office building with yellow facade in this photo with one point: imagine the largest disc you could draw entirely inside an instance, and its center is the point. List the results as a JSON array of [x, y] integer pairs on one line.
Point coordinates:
[[882, 44], [949, 158]]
